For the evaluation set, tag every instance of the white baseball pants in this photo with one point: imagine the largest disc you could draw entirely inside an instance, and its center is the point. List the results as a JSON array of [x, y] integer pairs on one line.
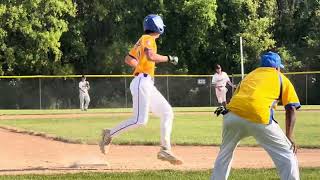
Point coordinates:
[[221, 93], [84, 100], [144, 96], [270, 137]]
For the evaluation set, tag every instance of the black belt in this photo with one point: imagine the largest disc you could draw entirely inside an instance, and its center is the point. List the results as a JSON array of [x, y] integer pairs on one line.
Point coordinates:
[[144, 74]]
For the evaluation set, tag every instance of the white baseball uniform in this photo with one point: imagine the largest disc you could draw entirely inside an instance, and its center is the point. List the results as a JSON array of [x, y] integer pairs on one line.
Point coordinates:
[[146, 97], [220, 82], [84, 95]]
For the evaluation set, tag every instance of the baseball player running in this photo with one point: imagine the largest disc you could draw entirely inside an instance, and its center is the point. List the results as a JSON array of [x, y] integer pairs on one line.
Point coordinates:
[[219, 81], [250, 113], [142, 57], [84, 94]]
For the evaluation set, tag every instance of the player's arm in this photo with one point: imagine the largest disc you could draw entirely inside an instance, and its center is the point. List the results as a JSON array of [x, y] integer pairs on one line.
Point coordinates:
[[131, 61], [290, 122], [152, 56], [291, 102], [80, 87], [88, 85], [213, 81], [231, 84]]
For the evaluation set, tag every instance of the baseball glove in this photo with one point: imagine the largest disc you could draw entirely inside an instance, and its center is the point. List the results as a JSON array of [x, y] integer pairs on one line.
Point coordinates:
[[221, 110]]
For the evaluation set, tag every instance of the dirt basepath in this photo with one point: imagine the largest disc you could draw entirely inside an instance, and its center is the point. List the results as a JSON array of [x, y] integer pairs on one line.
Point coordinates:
[[20, 153]]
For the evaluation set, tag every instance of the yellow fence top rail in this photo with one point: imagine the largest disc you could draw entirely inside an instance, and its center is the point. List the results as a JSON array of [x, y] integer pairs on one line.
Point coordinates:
[[122, 76]]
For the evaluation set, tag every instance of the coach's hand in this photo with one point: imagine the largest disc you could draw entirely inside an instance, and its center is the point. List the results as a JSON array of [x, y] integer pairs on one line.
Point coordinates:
[[173, 59]]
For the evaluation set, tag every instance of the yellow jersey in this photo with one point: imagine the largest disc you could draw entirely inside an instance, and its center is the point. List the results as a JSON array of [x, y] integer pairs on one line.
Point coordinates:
[[259, 93], [138, 52]]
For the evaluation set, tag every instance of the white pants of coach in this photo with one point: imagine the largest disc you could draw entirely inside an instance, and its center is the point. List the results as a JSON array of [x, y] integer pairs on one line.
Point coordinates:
[[146, 97], [270, 137], [84, 100]]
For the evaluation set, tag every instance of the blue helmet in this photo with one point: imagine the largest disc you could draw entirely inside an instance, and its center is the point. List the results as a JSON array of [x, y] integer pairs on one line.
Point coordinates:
[[153, 23], [271, 59]]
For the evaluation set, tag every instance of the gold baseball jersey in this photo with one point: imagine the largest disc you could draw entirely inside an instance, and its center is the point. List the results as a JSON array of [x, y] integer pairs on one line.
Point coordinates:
[[138, 52], [259, 93]]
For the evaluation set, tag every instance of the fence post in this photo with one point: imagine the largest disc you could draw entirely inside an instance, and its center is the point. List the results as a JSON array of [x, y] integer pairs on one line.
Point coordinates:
[[306, 89], [210, 92], [125, 91], [168, 97], [40, 94]]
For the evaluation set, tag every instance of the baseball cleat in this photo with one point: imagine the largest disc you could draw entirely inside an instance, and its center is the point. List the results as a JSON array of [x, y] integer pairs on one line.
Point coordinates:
[[166, 155], [105, 140]]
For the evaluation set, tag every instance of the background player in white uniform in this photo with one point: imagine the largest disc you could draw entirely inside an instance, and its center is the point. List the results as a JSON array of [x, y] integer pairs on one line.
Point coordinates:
[[145, 95], [219, 81], [84, 93]]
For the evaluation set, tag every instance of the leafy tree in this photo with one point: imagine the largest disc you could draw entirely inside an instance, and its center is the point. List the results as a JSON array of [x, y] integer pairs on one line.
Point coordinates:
[[250, 19], [92, 37], [29, 35], [297, 30], [188, 24]]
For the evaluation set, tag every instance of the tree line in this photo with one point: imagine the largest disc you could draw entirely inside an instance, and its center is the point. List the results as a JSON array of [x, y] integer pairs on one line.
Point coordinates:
[[92, 37]]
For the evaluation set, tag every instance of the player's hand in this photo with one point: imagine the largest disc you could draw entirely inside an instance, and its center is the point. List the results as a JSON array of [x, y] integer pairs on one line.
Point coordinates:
[[294, 146], [173, 59]]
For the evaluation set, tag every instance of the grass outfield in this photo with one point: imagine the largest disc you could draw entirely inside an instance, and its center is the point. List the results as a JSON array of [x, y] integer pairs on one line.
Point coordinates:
[[92, 111], [189, 129], [237, 174]]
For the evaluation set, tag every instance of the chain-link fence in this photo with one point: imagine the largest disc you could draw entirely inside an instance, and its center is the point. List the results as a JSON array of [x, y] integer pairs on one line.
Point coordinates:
[[58, 92]]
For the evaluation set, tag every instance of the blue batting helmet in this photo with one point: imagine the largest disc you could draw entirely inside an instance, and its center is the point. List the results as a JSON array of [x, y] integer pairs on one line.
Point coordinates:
[[271, 59], [153, 23]]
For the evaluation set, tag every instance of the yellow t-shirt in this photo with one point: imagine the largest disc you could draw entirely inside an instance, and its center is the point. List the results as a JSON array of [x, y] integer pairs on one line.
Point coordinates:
[[138, 52], [259, 93]]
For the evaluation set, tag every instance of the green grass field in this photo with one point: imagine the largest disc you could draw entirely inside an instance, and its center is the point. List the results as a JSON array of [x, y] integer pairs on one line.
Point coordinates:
[[189, 129], [93, 111], [236, 174], [115, 110]]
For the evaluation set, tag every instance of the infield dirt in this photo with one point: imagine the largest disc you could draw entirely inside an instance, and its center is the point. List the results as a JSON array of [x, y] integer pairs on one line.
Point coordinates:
[[22, 153]]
